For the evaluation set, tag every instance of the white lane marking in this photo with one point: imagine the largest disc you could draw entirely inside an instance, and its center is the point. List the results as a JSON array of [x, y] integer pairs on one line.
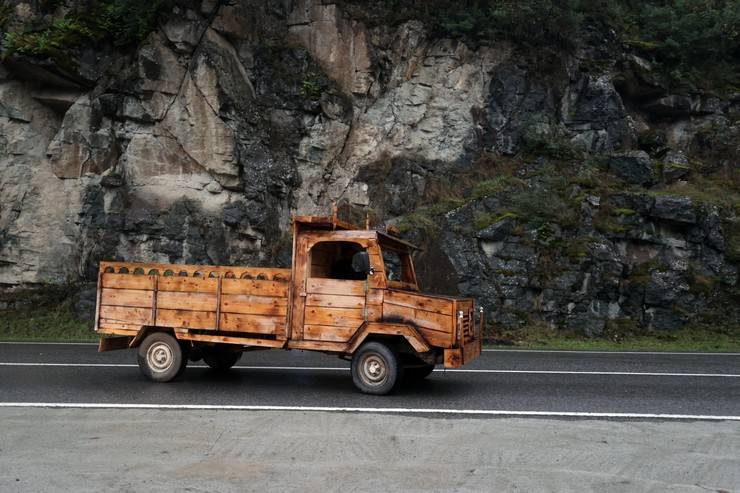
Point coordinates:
[[579, 351], [438, 370], [398, 410]]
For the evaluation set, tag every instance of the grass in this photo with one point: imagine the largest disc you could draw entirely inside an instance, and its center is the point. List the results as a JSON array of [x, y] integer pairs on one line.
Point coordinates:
[[699, 338], [52, 325]]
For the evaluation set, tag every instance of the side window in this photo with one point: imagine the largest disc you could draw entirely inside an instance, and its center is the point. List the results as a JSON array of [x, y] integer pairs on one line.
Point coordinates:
[[333, 260]]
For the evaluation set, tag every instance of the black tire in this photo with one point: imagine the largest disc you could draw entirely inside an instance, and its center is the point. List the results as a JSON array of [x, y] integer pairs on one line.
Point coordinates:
[[375, 368], [160, 357], [221, 357], [416, 373]]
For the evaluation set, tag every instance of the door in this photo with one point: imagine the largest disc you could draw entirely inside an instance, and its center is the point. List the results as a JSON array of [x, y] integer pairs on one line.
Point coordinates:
[[335, 305]]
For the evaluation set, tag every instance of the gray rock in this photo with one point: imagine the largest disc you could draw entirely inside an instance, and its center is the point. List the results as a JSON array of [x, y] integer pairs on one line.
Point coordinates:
[[675, 166], [674, 208], [634, 167]]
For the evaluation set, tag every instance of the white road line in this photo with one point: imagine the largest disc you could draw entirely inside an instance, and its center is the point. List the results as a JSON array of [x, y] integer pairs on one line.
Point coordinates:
[[579, 351], [439, 370], [393, 410]]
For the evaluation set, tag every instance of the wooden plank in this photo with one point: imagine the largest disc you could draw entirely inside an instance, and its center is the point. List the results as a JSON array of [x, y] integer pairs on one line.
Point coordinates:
[[186, 301], [335, 286], [420, 318], [254, 287], [342, 317], [335, 301], [243, 341], [260, 324], [328, 333], [338, 347], [186, 318], [127, 281], [255, 305], [420, 302], [188, 285], [126, 297], [112, 324], [126, 315]]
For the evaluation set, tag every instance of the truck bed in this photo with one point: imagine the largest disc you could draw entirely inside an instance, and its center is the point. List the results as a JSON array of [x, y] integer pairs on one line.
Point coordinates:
[[240, 302]]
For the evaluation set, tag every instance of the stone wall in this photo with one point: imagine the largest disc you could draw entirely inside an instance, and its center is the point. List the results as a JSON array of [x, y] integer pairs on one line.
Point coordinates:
[[198, 144]]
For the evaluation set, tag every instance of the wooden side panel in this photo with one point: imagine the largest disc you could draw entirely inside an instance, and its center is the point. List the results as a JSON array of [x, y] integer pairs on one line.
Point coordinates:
[[261, 324], [435, 328], [186, 301], [335, 301], [420, 302], [338, 317], [335, 286], [186, 318], [126, 315], [254, 287], [126, 297], [188, 284], [328, 333], [127, 281], [255, 305]]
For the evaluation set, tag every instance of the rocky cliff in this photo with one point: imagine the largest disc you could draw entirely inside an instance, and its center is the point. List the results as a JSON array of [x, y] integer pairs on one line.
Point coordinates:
[[574, 187]]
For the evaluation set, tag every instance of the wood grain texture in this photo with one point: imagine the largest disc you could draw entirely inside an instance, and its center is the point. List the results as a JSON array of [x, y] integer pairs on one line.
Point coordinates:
[[335, 286], [127, 281], [419, 302], [338, 317], [260, 324], [335, 301], [126, 297], [186, 318], [328, 333], [186, 301], [126, 315]]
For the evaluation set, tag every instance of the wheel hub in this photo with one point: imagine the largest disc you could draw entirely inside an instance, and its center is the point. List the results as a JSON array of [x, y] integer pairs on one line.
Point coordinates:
[[159, 357], [374, 369]]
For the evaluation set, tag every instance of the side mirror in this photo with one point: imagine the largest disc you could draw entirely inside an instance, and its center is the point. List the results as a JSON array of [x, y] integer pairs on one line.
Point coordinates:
[[361, 263]]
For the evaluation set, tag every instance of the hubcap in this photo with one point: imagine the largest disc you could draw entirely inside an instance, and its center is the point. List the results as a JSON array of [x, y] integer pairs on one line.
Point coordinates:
[[374, 369], [159, 357]]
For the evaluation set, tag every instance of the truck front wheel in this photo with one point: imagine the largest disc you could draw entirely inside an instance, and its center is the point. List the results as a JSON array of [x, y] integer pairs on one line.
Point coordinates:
[[160, 357], [221, 358], [375, 368]]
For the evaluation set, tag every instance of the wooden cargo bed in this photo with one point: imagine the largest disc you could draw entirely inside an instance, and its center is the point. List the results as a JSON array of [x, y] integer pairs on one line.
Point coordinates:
[[224, 301]]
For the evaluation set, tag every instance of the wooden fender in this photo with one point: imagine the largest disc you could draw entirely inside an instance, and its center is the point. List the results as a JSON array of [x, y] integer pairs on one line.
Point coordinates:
[[388, 329]]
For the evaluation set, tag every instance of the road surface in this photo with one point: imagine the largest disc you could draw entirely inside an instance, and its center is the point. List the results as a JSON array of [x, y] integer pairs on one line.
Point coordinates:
[[76, 420]]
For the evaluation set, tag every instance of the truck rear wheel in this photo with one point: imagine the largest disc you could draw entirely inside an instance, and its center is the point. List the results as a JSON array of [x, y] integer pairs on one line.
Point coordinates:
[[160, 357], [375, 368], [220, 357]]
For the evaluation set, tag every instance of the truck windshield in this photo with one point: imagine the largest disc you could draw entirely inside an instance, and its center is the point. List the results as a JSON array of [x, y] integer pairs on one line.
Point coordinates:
[[399, 268]]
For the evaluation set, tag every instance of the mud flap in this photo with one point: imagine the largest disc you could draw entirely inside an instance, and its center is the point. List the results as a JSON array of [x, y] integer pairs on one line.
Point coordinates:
[[113, 343]]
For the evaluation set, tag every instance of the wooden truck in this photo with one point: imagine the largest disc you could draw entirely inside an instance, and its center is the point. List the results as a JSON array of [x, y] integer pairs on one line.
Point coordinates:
[[351, 292]]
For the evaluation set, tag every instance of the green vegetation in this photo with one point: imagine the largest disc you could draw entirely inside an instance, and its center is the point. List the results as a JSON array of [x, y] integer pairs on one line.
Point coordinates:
[[311, 87], [44, 313], [120, 22], [696, 338], [58, 324]]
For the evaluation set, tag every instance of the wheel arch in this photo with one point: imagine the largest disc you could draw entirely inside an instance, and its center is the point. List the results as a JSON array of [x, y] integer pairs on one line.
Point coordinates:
[[149, 329], [389, 331]]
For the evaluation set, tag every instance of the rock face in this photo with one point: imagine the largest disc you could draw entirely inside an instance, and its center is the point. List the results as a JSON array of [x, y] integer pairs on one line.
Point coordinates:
[[197, 144]]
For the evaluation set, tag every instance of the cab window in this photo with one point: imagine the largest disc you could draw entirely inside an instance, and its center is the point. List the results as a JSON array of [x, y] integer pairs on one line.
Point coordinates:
[[333, 260]]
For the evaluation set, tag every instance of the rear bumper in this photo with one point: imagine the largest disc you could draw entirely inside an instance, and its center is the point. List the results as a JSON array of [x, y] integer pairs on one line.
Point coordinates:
[[455, 358]]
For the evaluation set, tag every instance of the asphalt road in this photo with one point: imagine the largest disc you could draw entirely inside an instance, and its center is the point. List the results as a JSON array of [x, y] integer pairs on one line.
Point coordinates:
[[516, 382]]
